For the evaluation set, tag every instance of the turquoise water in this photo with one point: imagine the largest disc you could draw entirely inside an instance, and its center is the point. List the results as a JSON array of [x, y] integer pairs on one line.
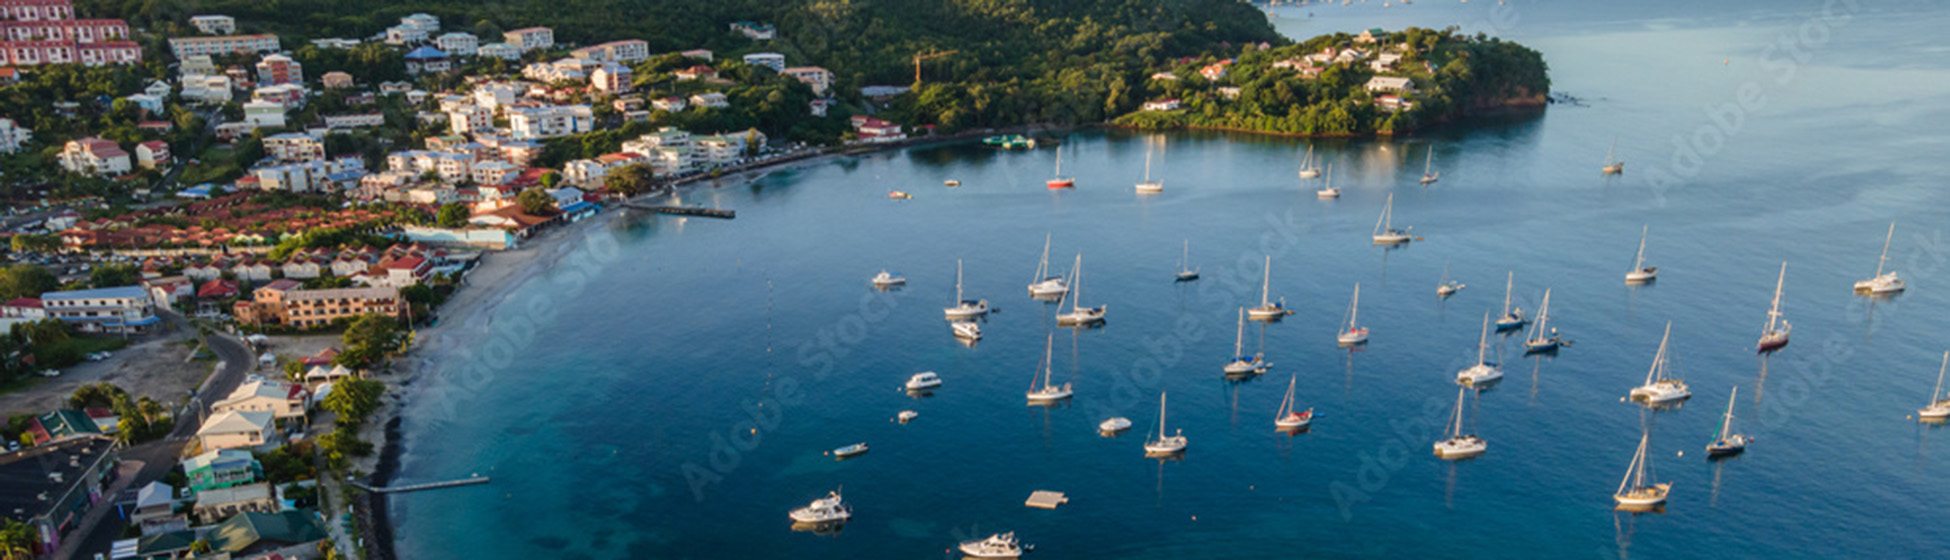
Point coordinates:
[[668, 390]]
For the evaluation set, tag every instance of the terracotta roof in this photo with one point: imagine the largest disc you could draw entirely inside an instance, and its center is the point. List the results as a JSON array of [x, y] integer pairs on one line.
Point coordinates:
[[25, 302]]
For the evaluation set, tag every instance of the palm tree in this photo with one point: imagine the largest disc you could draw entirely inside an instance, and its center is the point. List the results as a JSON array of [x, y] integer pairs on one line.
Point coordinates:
[[16, 540]]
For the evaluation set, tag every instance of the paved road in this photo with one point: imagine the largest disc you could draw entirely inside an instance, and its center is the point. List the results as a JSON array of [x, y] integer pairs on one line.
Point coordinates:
[[237, 359]]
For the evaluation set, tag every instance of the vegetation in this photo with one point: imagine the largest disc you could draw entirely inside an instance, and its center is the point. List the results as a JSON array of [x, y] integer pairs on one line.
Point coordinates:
[[16, 540], [453, 215], [288, 463], [631, 180], [26, 280], [354, 399], [141, 420], [535, 202], [368, 340], [111, 275]]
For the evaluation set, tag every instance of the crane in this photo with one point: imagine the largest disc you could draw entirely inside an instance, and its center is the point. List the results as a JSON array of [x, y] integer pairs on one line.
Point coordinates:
[[918, 57]]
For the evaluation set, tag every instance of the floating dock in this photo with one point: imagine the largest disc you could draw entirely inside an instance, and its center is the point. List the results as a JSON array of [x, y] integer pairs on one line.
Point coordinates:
[[684, 210], [423, 486], [1046, 499]]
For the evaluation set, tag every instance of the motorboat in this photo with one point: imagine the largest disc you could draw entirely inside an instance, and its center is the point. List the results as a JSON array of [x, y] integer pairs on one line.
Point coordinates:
[[1114, 425], [1000, 545], [824, 510], [849, 451], [923, 381], [966, 330], [888, 279]]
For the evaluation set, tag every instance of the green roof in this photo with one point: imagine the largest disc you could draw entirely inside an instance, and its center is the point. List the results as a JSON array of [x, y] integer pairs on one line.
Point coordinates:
[[165, 542], [246, 529], [63, 423]]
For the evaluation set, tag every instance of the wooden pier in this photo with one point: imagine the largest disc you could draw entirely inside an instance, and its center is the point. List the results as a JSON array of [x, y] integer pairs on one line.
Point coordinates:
[[423, 486], [684, 210]]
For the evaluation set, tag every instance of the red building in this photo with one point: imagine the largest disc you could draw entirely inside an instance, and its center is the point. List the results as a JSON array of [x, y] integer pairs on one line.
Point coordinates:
[[35, 32]]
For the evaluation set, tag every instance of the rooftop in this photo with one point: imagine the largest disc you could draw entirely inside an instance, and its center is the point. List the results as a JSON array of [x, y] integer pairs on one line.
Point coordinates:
[[28, 479]]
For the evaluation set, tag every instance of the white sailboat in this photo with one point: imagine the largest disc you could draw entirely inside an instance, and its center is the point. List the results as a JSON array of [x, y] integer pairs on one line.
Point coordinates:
[[1353, 333], [1511, 318], [1308, 168], [1058, 181], [1447, 287], [1429, 175], [1328, 191], [1079, 315], [1543, 337], [965, 308], [1149, 186], [1164, 445], [1640, 273], [1883, 282], [1288, 418], [1047, 393], [1185, 271], [1612, 165], [1634, 492], [1939, 407], [1775, 334], [1458, 445], [1242, 364], [1485, 371], [1268, 309], [1660, 388], [1044, 285], [1385, 232], [1725, 442]]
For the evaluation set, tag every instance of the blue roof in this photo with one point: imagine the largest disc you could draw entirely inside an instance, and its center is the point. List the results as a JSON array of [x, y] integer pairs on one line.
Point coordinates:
[[578, 207], [98, 293], [425, 52]]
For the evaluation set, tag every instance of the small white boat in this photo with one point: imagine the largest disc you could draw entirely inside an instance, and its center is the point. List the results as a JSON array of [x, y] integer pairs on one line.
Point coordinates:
[[1268, 309], [966, 330], [1459, 445], [1079, 315], [1047, 393], [824, 510], [1447, 287], [1429, 175], [1883, 282], [1000, 545], [1640, 273], [1385, 232], [1939, 407], [1308, 167], [1045, 286], [1114, 425], [888, 279], [951, 183], [1185, 271], [1659, 388], [1288, 418], [923, 381], [1164, 445], [1242, 364], [1634, 492], [1543, 337], [1353, 333], [1725, 442], [906, 416], [849, 451], [1775, 334], [1511, 318], [1148, 186], [1612, 165], [1485, 371], [1328, 190], [965, 308]]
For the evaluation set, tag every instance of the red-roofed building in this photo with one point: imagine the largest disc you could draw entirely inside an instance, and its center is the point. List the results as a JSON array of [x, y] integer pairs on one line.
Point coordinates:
[[218, 289], [871, 130], [151, 154], [94, 156]]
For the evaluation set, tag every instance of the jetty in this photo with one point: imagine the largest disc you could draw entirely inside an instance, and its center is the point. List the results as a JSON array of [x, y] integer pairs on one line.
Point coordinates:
[[423, 486], [1046, 499], [684, 210]]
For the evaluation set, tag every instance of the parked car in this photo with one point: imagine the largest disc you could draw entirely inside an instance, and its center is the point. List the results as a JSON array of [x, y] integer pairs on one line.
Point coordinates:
[[50, 373]]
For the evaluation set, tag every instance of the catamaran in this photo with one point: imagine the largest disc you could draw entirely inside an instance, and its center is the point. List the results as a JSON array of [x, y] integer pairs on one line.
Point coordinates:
[[1044, 285], [1353, 333], [1149, 186], [965, 308], [1543, 337], [1328, 190], [1079, 315], [1447, 287], [1047, 393], [1634, 492], [1883, 282], [1725, 442], [1268, 309], [1185, 271], [1058, 181], [829, 509], [1460, 446], [1242, 364], [1613, 166], [1308, 168], [1429, 175], [1288, 418], [888, 279], [1485, 371], [1511, 318], [1164, 445], [1641, 273], [1660, 388], [1775, 334], [999, 545], [1385, 232], [1939, 407]]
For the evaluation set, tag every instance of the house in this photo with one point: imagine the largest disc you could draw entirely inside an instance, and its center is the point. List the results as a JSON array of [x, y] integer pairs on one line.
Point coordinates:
[[205, 89], [458, 43], [817, 107], [12, 136], [61, 425], [278, 69], [291, 96], [1393, 103], [216, 289], [203, 271], [872, 130], [302, 269], [669, 104], [1384, 62], [611, 78], [149, 103], [323, 357], [427, 60], [1214, 71], [412, 29], [236, 430], [294, 147], [1228, 92], [106, 420], [281, 302], [397, 273], [698, 72], [222, 468], [117, 309], [1371, 35], [712, 100], [155, 510], [152, 154], [1389, 84], [530, 38], [263, 114], [214, 24], [493, 172], [217, 504], [348, 264], [754, 30], [48, 486], [772, 60], [321, 374], [289, 534], [252, 270], [502, 51], [819, 78], [94, 156], [548, 122], [1162, 105]]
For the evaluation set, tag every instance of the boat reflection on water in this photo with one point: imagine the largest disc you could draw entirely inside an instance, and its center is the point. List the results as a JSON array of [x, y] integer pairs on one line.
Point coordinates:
[[827, 528]]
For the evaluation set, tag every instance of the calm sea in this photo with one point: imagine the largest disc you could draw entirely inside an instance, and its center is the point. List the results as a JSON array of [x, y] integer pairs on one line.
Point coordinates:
[[668, 390]]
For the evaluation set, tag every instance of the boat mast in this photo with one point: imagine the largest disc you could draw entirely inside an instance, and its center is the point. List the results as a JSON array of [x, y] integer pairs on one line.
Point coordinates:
[[1147, 164], [1239, 340], [1456, 419], [1330, 173], [1184, 259], [1638, 263], [1076, 285], [1266, 282], [1059, 161], [1609, 157], [1384, 221], [1354, 309], [1938, 392], [1047, 342], [1774, 314], [1161, 416], [1635, 475], [1286, 406], [957, 282], [1429, 164], [1042, 268], [1885, 249], [1445, 274], [1659, 359], [1507, 284], [1483, 340], [1726, 424], [1543, 317]]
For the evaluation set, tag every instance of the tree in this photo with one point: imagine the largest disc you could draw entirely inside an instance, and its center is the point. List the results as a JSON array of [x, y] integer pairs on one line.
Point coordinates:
[[16, 540], [111, 275], [26, 280], [103, 395], [354, 400], [368, 339], [631, 180], [535, 202], [550, 179], [36, 243], [453, 215]]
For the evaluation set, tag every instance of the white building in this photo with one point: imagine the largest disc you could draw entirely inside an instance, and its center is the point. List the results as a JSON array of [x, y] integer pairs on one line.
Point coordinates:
[[416, 28], [152, 154], [530, 38], [1389, 84], [772, 60], [117, 309], [293, 147], [361, 120], [469, 119], [615, 51], [185, 47], [493, 172], [611, 78], [820, 79], [236, 430], [198, 64], [214, 25], [12, 136], [151, 103], [264, 114], [206, 89], [310, 176], [494, 95], [458, 43], [502, 51], [548, 122], [723, 149], [713, 100], [666, 137], [94, 156]]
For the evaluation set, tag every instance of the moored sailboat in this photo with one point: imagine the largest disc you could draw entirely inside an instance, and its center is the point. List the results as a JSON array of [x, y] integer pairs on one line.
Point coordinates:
[[1079, 315], [1485, 371], [1613, 166], [1242, 364], [1429, 175], [964, 308], [1725, 442], [1288, 418], [1385, 232], [1511, 318], [1635, 492], [1308, 167], [1939, 407], [1044, 285], [1047, 393], [1058, 181], [1328, 190], [1883, 282], [1543, 337], [1164, 445], [1774, 335], [1268, 310], [1185, 271], [1660, 388], [1459, 445], [1447, 287], [1353, 333], [1640, 273], [1148, 186]]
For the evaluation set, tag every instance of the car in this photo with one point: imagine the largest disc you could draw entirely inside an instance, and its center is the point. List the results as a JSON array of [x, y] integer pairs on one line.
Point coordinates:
[[50, 373]]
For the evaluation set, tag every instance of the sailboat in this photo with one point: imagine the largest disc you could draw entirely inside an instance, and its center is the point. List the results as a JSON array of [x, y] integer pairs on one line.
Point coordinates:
[[1048, 393], [1725, 442], [1883, 283], [1659, 388], [1384, 227], [1044, 285], [1058, 181], [1164, 445], [1485, 371], [1633, 492], [1543, 338], [1353, 333], [1511, 318], [1775, 334], [1428, 168], [1640, 273], [1328, 191], [965, 308], [1242, 364], [1268, 309], [1185, 272], [1612, 165], [1149, 186], [1460, 446], [1308, 167], [1447, 287], [1288, 418], [1939, 407], [1079, 315]]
